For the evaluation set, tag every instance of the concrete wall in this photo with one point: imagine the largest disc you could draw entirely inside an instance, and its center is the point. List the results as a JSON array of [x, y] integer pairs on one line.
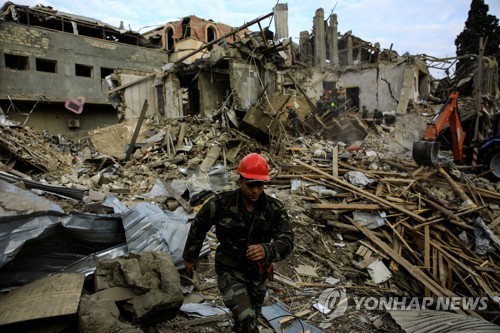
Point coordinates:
[[212, 88], [67, 49], [135, 95], [173, 97], [248, 82], [54, 117], [381, 86], [186, 46]]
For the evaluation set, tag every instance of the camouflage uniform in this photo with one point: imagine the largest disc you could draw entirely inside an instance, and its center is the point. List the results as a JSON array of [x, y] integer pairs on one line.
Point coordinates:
[[240, 280], [293, 117]]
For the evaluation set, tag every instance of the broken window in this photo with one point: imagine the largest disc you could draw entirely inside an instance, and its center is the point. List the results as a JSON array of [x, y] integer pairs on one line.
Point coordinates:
[[44, 65], [83, 70], [169, 39], [186, 28], [211, 34], [18, 62], [106, 72]]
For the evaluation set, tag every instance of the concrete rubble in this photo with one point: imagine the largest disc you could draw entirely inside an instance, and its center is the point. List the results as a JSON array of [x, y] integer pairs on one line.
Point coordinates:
[[102, 219]]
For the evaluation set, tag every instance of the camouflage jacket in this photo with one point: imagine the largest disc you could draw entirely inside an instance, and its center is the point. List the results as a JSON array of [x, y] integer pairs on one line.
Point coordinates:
[[236, 229]]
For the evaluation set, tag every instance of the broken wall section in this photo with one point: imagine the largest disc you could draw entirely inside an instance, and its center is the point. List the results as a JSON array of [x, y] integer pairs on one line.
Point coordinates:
[[247, 81]]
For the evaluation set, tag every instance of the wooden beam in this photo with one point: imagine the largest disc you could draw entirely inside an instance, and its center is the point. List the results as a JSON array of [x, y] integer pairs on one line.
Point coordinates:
[[349, 206], [177, 197], [458, 190], [131, 146], [414, 271], [366, 194], [198, 321], [335, 161]]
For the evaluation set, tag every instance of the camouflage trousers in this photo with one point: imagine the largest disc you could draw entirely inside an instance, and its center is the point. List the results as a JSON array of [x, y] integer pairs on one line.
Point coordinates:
[[244, 297]]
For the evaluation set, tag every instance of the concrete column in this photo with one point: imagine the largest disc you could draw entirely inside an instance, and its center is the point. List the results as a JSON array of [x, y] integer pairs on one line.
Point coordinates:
[[281, 21], [319, 39], [349, 50], [305, 55], [377, 52], [334, 41]]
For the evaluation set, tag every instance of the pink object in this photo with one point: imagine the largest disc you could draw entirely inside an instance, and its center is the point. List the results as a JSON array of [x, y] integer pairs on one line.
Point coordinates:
[[354, 148], [75, 104]]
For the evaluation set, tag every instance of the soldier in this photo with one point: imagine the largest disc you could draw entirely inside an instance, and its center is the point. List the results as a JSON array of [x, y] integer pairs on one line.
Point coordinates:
[[253, 230], [293, 117]]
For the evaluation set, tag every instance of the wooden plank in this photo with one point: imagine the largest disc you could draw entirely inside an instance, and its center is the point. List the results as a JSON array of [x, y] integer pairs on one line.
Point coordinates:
[[131, 145], [458, 190], [285, 281], [177, 197], [335, 161], [197, 321], [50, 297], [427, 256], [347, 227], [443, 210], [414, 271], [295, 315], [397, 180], [366, 194], [427, 249], [349, 206], [495, 223], [442, 270], [212, 156], [182, 134], [363, 264], [396, 246], [374, 249], [380, 189]]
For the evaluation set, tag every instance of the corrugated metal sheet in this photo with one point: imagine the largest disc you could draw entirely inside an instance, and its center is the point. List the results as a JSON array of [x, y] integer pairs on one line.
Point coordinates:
[[430, 321], [87, 265], [30, 184], [149, 228]]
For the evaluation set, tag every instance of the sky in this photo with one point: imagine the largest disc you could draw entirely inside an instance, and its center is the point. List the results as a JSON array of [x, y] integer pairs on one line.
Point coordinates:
[[418, 27]]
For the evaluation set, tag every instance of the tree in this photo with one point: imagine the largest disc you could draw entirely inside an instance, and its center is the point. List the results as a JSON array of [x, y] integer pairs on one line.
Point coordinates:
[[479, 24]]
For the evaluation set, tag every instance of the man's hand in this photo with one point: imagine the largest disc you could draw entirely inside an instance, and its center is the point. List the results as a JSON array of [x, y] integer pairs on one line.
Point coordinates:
[[190, 266], [256, 252]]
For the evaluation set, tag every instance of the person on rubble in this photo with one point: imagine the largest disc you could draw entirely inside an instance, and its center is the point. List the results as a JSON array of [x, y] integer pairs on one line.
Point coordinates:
[[333, 108], [319, 106], [326, 104], [293, 118], [253, 230]]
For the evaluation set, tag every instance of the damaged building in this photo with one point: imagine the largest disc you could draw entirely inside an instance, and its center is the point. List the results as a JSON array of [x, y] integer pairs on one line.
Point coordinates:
[[189, 67], [94, 216], [56, 67]]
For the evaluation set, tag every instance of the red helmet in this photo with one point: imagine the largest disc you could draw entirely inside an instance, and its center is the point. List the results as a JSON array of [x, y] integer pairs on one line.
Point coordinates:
[[253, 166], [288, 106]]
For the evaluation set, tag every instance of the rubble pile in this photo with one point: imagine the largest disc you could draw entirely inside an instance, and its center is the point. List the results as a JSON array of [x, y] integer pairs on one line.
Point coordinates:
[[31, 151], [368, 221]]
